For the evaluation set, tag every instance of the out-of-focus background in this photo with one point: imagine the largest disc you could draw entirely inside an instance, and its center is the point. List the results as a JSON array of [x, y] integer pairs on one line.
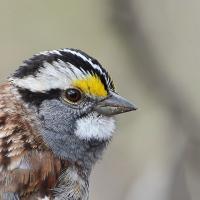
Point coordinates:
[[152, 50]]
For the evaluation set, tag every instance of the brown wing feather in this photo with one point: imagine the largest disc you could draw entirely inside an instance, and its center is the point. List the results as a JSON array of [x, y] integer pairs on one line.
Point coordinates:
[[27, 166]]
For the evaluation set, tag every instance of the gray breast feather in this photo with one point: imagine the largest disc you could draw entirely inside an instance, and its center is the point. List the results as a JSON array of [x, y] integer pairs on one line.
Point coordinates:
[[71, 186]]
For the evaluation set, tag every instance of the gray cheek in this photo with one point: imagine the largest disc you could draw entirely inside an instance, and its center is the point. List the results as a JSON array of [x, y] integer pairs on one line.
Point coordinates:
[[57, 130], [56, 116]]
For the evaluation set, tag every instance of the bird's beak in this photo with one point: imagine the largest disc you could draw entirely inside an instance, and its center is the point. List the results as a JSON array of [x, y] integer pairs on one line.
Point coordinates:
[[113, 105]]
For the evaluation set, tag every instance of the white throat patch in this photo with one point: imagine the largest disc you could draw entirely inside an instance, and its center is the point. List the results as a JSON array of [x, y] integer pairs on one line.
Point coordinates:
[[94, 126]]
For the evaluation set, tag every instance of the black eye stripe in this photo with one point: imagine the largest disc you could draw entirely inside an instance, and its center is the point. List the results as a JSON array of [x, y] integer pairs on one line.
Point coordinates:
[[36, 98]]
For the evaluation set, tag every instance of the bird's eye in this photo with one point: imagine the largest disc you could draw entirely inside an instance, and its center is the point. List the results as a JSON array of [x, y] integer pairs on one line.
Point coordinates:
[[72, 95]]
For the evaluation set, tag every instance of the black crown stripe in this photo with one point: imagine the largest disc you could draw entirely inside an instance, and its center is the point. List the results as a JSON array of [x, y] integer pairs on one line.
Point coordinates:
[[32, 65]]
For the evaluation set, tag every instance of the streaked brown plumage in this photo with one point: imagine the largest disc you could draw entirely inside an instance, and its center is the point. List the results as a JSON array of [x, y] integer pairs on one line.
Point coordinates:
[[26, 164]]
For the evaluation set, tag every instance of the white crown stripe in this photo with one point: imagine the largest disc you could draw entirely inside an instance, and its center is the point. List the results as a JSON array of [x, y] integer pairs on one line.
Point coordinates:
[[95, 66], [56, 52]]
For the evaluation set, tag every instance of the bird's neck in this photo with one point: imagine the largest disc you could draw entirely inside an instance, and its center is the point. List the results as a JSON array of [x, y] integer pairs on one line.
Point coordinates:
[[79, 152]]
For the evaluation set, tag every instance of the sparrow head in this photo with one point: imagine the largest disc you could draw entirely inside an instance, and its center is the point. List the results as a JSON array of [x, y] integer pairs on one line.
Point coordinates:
[[74, 96]]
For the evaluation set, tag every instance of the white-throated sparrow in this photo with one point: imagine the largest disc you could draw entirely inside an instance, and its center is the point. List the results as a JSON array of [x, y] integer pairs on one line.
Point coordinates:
[[56, 117]]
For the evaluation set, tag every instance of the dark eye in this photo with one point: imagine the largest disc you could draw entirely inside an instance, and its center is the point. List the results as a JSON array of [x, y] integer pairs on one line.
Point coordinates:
[[72, 95]]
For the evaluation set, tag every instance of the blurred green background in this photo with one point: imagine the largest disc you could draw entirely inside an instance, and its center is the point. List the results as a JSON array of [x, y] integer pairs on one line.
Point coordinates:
[[151, 48]]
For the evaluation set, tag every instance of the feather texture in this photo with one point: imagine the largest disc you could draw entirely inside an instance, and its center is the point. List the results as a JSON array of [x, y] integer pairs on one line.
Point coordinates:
[[27, 166]]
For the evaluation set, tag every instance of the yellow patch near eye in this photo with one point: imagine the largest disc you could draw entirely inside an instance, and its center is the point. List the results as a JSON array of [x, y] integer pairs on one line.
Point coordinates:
[[91, 85]]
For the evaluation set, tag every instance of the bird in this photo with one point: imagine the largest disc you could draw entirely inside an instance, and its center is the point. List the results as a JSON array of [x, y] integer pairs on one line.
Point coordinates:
[[57, 115]]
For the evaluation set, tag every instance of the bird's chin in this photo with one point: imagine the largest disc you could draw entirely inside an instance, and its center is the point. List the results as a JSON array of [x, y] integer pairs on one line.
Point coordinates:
[[95, 126]]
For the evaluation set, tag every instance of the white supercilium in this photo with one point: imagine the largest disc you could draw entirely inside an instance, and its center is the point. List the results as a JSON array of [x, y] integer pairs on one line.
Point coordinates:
[[56, 75]]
